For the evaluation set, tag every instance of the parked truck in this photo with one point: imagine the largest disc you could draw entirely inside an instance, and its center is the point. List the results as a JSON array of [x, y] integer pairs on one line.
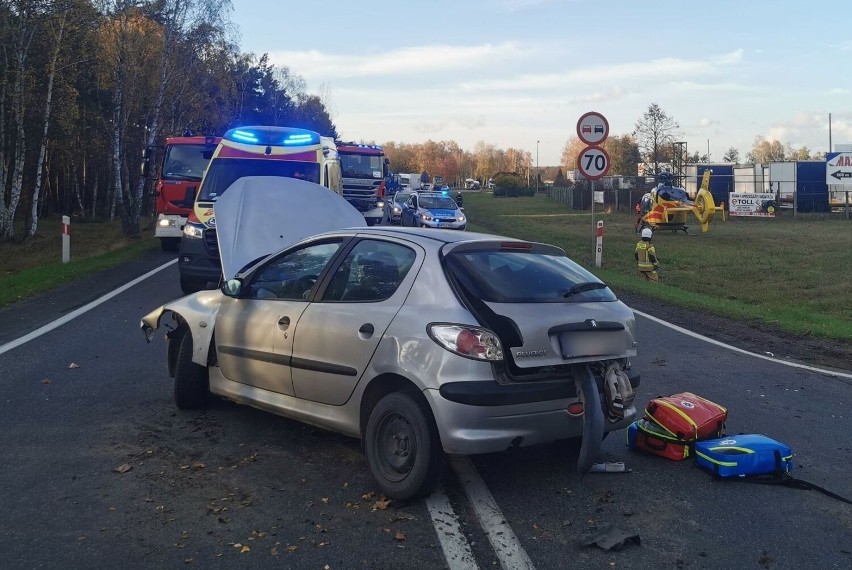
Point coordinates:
[[184, 160], [364, 169]]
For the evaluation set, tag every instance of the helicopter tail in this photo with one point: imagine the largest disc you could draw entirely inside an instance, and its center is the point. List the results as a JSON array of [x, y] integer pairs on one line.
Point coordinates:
[[705, 207]]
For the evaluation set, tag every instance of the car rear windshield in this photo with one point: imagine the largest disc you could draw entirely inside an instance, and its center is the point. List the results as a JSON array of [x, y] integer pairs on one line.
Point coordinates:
[[525, 277], [225, 171]]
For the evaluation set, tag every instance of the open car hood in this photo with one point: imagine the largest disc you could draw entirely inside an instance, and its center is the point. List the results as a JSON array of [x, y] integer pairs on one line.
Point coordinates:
[[259, 215]]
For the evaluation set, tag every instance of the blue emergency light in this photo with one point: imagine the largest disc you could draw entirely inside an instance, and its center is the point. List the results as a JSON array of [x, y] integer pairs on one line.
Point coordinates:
[[273, 136]]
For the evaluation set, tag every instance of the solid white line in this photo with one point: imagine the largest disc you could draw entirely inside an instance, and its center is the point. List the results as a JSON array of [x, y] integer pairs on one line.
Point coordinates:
[[453, 542], [506, 545], [688, 332], [77, 312]]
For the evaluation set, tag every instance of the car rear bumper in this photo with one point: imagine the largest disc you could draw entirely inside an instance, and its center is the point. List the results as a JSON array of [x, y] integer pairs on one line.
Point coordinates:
[[487, 417]]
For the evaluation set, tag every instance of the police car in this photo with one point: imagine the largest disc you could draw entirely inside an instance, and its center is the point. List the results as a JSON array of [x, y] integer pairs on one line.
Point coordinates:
[[432, 210]]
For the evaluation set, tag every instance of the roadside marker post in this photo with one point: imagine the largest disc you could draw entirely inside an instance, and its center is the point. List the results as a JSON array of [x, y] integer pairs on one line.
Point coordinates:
[[66, 239], [599, 243]]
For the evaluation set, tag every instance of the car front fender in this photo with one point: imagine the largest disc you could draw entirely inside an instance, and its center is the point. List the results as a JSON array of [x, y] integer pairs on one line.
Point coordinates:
[[198, 311]]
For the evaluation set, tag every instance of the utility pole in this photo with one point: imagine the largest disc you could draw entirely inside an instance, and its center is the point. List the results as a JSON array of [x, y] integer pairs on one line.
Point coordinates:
[[537, 172]]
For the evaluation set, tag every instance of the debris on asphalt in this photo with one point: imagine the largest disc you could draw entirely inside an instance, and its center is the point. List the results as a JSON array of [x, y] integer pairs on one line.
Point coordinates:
[[610, 537], [123, 468], [610, 467]]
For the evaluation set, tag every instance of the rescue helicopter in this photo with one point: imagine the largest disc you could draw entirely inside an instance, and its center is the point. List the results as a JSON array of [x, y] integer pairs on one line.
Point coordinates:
[[666, 207]]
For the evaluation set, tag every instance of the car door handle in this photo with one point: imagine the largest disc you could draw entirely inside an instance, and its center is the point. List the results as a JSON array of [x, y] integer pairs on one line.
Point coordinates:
[[366, 330], [284, 323]]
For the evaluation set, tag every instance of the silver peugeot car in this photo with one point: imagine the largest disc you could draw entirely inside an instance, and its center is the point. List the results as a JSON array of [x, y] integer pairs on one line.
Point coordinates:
[[418, 341]]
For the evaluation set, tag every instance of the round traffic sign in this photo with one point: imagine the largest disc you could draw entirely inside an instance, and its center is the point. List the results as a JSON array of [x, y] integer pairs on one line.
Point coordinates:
[[592, 128], [593, 162]]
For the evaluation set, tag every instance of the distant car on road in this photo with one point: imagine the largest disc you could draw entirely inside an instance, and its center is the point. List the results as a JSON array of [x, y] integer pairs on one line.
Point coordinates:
[[432, 210], [393, 206]]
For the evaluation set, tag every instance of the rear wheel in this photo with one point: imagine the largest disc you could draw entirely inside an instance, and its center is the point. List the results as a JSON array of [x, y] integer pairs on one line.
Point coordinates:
[[402, 446], [192, 390]]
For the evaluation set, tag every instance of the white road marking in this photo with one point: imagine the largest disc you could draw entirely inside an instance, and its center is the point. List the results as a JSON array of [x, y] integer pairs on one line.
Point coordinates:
[[453, 542], [506, 545], [77, 312], [688, 332]]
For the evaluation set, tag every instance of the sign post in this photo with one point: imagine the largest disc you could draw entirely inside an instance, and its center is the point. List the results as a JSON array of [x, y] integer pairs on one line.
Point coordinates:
[[593, 162], [66, 239]]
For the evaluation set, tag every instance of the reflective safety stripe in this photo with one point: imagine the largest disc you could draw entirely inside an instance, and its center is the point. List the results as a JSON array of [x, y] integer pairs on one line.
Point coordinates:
[[725, 448], [711, 460]]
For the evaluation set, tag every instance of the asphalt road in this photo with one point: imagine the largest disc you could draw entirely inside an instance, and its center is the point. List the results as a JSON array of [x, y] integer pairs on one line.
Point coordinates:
[[235, 487]]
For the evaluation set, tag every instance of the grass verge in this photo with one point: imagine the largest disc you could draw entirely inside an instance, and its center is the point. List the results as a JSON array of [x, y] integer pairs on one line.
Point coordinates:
[[793, 274], [35, 265]]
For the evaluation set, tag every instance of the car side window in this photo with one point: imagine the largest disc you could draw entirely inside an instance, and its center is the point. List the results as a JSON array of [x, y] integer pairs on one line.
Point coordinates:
[[371, 272], [292, 276]]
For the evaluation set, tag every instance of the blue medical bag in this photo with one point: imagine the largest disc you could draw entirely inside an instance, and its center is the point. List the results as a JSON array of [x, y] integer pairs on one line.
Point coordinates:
[[744, 455]]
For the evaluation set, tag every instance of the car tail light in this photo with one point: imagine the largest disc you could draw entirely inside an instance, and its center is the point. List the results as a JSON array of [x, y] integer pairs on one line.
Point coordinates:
[[575, 408], [470, 342]]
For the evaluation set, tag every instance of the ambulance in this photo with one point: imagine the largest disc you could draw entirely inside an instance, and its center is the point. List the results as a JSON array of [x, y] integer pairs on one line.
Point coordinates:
[[249, 151]]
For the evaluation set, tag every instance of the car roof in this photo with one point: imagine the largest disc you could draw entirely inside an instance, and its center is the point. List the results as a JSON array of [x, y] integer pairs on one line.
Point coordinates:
[[423, 234]]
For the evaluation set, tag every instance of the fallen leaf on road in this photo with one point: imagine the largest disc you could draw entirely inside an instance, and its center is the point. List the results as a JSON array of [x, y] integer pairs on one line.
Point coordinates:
[[400, 536], [245, 549], [293, 548], [123, 468], [324, 500], [274, 551], [199, 465], [188, 561], [184, 466], [46, 381], [381, 504], [73, 365], [368, 496]]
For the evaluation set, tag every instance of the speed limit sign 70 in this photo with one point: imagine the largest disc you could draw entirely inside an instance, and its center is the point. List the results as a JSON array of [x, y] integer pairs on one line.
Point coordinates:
[[593, 162]]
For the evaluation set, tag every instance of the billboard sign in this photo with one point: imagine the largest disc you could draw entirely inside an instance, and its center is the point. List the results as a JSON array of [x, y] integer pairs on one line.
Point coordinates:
[[754, 205]]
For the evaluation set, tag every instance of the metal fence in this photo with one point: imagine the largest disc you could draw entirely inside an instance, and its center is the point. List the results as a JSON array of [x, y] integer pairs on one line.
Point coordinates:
[[810, 199]]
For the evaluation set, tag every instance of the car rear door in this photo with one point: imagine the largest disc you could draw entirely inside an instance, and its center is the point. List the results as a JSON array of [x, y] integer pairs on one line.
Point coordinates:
[[336, 336]]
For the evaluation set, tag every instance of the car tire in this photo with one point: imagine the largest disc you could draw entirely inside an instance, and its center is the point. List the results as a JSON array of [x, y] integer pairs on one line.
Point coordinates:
[[402, 446], [189, 285], [192, 388]]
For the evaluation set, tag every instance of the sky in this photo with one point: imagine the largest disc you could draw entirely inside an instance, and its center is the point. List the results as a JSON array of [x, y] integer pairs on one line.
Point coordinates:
[[520, 73]]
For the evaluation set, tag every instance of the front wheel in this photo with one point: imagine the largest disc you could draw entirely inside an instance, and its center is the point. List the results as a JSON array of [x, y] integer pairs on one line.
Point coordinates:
[[402, 446], [192, 389]]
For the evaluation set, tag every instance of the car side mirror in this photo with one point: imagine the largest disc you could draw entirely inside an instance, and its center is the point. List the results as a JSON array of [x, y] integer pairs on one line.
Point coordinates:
[[232, 287]]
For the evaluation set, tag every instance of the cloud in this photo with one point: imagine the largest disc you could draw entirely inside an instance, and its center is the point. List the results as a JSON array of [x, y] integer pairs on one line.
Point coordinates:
[[652, 70], [843, 46], [704, 123], [314, 64], [613, 94], [839, 91]]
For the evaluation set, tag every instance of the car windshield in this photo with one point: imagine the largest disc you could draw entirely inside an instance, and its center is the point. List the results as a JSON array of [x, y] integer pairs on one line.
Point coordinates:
[[437, 203], [186, 161], [361, 166], [524, 277], [225, 171], [401, 197]]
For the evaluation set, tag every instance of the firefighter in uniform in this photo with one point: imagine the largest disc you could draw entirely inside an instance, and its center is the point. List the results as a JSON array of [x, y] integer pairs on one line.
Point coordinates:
[[646, 257]]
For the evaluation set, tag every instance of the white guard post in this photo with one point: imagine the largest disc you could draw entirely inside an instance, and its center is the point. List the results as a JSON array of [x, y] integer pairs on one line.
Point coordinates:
[[66, 239], [599, 243]]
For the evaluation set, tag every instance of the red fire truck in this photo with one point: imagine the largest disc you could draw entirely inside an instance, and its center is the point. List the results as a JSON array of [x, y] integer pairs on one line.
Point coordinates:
[[184, 161]]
